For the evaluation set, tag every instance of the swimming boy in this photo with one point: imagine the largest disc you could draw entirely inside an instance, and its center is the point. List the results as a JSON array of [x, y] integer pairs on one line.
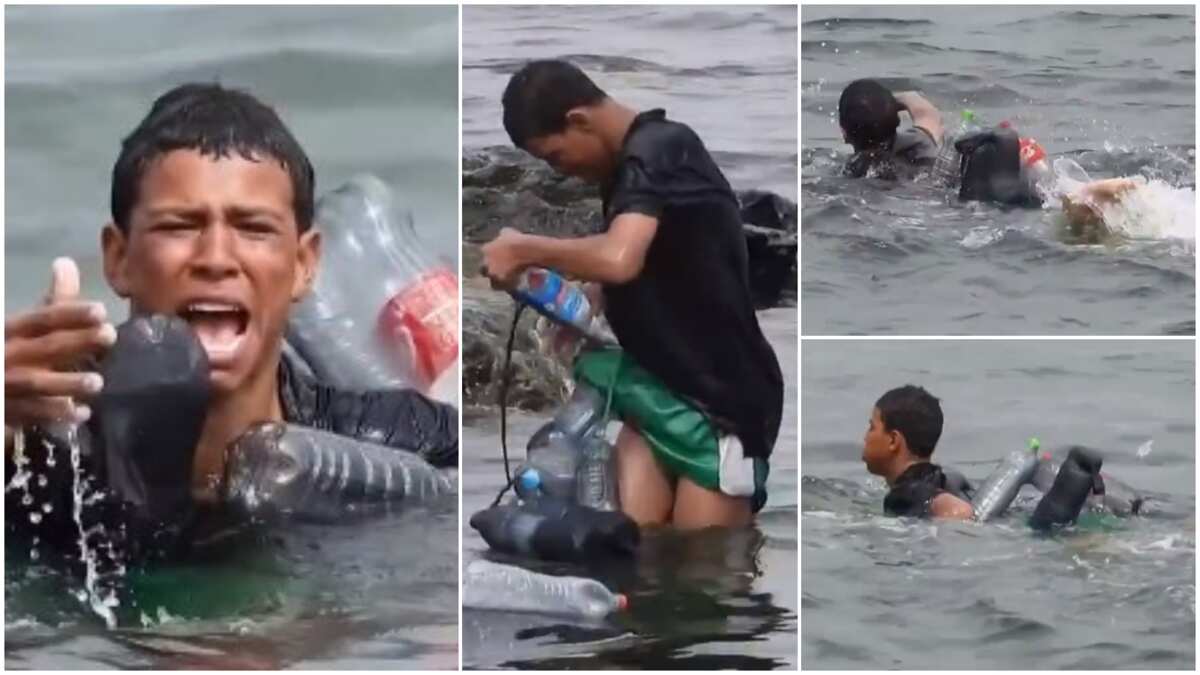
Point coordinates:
[[698, 383], [869, 115], [902, 433], [212, 213]]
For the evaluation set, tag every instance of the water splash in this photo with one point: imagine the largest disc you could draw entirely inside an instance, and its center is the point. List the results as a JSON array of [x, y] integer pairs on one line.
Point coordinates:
[[1151, 210], [100, 601]]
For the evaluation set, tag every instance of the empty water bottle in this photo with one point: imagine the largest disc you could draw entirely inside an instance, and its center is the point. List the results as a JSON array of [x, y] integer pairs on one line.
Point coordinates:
[[1002, 486], [382, 313], [597, 475], [489, 585], [283, 469], [553, 453]]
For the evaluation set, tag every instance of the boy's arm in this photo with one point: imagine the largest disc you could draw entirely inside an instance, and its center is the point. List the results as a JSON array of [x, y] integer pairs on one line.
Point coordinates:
[[947, 505], [615, 257], [1083, 206], [924, 114]]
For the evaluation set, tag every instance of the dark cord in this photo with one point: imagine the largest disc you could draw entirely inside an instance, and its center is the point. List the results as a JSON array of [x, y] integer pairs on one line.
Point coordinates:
[[505, 380]]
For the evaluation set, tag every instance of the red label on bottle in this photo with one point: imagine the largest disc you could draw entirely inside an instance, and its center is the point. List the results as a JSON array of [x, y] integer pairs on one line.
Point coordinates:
[[421, 324]]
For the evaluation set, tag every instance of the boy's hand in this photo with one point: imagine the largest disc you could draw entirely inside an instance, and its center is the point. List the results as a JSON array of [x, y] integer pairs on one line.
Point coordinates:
[[41, 347], [501, 260]]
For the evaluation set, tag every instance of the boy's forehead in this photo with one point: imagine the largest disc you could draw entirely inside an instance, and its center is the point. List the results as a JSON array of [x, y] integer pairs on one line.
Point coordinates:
[[189, 175]]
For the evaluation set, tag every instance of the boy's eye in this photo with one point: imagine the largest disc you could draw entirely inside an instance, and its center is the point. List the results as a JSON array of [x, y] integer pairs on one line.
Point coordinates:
[[174, 225], [258, 227]]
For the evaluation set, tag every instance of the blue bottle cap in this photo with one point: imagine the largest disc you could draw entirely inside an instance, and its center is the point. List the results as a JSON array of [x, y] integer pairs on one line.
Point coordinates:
[[529, 480]]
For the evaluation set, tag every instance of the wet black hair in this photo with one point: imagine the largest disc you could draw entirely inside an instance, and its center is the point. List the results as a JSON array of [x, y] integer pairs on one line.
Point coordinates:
[[539, 96], [869, 114], [217, 122], [915, 413]]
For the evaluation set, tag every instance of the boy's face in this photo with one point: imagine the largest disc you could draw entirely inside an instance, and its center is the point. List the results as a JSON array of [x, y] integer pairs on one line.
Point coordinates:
[[879, 445], [575, 151], [215, 241]]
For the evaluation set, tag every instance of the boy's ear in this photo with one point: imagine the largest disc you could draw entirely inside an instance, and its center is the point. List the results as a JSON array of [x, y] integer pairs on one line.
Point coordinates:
[[114, 246], [579, 118]]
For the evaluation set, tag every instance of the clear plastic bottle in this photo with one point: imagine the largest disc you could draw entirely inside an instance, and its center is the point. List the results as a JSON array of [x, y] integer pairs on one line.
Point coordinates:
[[553, 454], [597, 474], [286, 469], [382, 313], [489, 585], [1002, 486]]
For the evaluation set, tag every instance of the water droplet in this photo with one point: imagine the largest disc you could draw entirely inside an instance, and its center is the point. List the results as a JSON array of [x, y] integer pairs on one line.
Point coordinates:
[[33, 554], [35, 518], [27, 500], [47, 507], [42, 480]]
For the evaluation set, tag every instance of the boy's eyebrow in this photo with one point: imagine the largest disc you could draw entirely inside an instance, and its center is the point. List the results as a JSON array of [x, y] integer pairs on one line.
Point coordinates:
[[185, 211], [252, 211]]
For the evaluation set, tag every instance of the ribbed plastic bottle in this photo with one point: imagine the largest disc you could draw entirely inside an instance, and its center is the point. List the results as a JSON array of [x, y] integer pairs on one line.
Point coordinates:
[[489, 585], [1001, 487], [286, 469]]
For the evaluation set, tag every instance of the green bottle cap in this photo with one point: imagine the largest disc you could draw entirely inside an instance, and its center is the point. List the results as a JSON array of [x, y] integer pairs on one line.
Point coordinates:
[[1034, 444], [968, 115]]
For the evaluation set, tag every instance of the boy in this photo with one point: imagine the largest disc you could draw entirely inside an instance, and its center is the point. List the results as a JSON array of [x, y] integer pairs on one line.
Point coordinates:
[[869, 115], [698, 385], [212, 208], [903, 430]]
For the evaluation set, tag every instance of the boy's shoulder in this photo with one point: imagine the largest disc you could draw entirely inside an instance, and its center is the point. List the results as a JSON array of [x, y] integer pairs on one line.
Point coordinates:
[[656, 139]]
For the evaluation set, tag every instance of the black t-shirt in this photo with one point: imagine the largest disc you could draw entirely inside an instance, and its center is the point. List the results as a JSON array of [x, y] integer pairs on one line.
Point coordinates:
[[915, 488], [688, 318], [915, 145]]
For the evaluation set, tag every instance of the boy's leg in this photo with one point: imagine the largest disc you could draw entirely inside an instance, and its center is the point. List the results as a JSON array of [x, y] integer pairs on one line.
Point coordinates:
[[697, 507], [645, 489]]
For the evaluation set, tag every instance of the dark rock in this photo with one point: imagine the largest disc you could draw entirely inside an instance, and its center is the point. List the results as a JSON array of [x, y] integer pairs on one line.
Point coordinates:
[[538, 381]]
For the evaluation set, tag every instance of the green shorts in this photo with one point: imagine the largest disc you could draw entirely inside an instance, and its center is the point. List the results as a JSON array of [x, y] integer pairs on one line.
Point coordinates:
[[682, 438]]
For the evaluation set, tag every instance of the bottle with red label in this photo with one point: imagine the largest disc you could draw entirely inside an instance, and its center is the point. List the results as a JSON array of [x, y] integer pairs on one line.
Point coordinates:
[[382, 313]]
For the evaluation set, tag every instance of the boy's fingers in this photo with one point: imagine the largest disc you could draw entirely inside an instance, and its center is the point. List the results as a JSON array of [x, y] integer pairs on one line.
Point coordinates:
[[67, 315], [64, 281], [60, 348], [34, 383], [31, 411]]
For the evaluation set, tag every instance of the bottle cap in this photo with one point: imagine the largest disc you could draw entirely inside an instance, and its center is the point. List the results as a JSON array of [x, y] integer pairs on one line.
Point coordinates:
[[622, 602], [530, 480], [1034, 444], [968, 115]]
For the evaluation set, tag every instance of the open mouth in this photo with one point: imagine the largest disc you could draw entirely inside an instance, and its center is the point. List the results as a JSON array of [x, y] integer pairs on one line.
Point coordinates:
[[220, 326]]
